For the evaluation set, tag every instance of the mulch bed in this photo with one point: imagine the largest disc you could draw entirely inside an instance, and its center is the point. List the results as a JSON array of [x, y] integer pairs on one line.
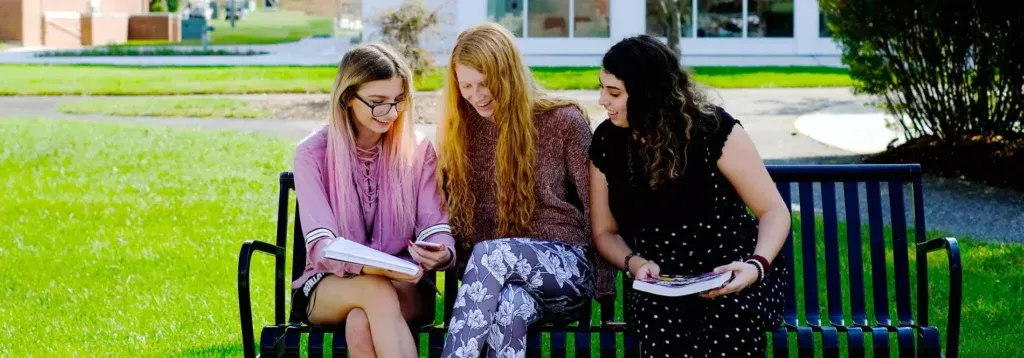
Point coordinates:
[[990, 159]]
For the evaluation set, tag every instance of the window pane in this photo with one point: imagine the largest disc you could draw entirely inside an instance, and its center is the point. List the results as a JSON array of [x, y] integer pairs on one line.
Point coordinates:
[[823, 30], [508, 13], [719, 18], [591, 18], [548, 18], [770, 18], [658, 19]]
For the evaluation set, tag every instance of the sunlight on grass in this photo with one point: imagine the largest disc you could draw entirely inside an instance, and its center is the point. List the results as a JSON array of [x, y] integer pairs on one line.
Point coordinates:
[[125, 238], [126, 80], [267, 27]]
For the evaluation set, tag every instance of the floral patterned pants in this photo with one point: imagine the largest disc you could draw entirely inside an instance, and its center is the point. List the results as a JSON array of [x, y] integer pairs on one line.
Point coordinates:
[[510, 284]]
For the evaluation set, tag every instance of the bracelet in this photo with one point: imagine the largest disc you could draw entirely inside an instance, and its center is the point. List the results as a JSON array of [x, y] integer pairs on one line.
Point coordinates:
[[626, 266], [763, 261], [760, 268]]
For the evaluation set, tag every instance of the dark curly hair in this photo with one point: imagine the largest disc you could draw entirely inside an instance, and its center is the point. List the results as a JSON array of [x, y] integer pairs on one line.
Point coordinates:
[[663, 102]]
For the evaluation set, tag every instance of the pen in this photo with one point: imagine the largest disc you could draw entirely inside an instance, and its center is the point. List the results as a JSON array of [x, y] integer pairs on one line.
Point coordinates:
[[432, 285]]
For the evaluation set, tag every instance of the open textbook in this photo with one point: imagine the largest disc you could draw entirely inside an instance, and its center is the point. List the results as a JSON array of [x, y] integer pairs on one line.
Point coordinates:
[[675, 286], [348, 251]]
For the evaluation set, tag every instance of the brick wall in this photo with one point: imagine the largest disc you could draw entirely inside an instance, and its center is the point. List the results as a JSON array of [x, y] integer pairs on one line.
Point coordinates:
[[155, 27], [104, 29]]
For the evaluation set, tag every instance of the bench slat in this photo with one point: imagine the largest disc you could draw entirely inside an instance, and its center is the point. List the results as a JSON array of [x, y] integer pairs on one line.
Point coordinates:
[[808, 243], [901, 265], [879, 284], [832, 264], [789, 315], [854, 246], [922, 260]]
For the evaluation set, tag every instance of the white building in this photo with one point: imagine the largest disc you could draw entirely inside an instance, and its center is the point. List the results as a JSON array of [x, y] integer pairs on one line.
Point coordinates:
[[578, 32]]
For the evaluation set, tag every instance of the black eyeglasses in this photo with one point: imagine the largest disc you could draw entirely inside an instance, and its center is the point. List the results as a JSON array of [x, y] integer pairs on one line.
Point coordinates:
[[382, 109]]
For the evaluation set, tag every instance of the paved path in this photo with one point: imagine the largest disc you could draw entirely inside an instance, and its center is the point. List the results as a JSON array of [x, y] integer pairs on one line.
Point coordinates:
[[952, 206]]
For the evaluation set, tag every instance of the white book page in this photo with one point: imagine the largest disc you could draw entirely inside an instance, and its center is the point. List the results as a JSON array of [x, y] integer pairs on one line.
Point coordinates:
[[345, 250]]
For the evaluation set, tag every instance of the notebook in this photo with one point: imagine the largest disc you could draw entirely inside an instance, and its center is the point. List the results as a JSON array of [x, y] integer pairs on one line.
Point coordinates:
[[345, 250], [675, 286]]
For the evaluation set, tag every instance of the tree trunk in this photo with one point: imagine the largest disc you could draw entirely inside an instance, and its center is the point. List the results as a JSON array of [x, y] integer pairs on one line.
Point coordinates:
[[675, 31]]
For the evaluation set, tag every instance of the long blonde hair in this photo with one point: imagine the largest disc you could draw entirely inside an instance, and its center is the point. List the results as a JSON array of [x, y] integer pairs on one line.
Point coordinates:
[[362, 64], [489, 49]]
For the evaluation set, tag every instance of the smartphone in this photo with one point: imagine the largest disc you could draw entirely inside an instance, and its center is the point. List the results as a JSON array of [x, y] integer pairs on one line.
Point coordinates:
[[432, 246]]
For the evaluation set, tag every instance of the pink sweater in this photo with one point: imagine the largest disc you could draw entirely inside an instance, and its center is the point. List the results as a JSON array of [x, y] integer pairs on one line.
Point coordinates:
[[317, 214]]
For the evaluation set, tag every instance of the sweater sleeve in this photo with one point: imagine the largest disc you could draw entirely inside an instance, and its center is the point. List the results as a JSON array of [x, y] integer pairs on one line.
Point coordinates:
[[431, 220], [576, 145], [319, 222]]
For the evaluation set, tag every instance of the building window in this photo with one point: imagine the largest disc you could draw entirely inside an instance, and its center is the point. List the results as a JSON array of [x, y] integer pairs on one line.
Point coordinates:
[[719, 18], [551, 18], [725, 18], [658, 18], [547, 18], [770, 18], [823, 30], [590, 18], [508, 13]]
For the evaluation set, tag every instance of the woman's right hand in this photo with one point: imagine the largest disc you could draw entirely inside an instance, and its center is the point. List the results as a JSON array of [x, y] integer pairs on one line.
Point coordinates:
[[369, 270], [645, 270]]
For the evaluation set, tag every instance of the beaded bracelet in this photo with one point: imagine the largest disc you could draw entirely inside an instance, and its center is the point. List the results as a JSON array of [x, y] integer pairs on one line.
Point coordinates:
[[626, 267], [760, 268], [764, 262]]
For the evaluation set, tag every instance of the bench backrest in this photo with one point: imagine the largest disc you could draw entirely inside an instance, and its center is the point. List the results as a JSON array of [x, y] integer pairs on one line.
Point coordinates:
[[859, 195], [867, 198]]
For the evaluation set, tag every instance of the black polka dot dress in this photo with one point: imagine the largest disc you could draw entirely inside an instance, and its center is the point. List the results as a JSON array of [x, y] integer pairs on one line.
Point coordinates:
[[689, 226]]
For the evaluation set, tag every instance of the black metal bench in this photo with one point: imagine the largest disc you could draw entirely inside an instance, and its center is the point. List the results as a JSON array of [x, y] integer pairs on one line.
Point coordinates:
[[914, 336], [817, 195]]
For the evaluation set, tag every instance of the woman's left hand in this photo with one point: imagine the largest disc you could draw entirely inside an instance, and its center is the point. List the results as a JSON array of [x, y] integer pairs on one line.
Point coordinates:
[[743, 275], [430, 259]]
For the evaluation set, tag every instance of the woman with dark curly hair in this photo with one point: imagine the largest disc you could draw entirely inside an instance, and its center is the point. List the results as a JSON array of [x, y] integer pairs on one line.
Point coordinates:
[[672, 177]]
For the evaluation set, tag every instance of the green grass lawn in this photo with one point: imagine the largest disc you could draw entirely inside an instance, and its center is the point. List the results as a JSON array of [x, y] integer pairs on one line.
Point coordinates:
[[571, 78], [265, 27], [165, 107], [123, 240], [113, 80], [258, 28]]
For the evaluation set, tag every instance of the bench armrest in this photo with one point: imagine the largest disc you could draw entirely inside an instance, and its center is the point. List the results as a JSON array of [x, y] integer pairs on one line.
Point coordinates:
[[244, 302], [956, 288]]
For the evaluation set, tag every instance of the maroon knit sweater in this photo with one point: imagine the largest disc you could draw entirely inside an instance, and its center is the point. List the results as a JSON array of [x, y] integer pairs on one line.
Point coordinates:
[[561, 188]]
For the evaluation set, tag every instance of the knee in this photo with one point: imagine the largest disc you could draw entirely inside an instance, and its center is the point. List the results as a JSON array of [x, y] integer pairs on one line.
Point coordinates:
[[514, 300], [357, 334], [515, 294], [482, 248]]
